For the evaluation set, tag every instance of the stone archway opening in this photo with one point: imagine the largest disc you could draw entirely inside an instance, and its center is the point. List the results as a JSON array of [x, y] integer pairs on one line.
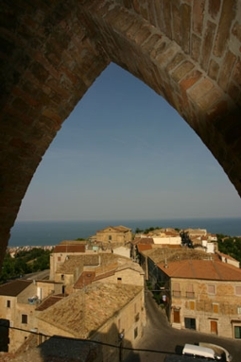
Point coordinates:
[[52, 53]]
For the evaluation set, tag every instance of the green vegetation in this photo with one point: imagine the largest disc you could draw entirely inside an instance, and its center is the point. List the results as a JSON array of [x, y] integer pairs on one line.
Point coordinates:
[[146, 231], [24, 262], [230, 245]]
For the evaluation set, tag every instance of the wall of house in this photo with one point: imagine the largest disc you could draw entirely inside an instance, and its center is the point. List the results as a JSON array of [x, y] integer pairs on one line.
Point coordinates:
[[45, 288], [66, 279], [112, 236], [123, 251], [125, 276], [214, 305], [21, 335], [226, 259], [130, 320], [175, 240]]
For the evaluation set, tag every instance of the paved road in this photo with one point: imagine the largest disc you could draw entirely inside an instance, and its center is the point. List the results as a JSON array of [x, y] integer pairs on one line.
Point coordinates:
[[161, 337], [41, 275]]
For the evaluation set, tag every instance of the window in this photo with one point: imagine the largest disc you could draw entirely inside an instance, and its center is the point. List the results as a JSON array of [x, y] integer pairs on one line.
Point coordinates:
[[190, 291], [192, 305], [8, 303], [239, 310], [176, 290], [211, 289], [238, 290], [110, 238], [135, 332], [190, 323], [119, 280], [215, 308], [237, 332], [24, 318], [137, 317], [59, 258], [62, 276]]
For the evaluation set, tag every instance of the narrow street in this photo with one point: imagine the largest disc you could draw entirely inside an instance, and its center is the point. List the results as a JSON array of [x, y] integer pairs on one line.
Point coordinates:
[[161, 337]]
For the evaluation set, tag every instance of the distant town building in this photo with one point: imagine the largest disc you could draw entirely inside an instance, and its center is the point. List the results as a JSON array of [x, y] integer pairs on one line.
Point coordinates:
[[114, 235]]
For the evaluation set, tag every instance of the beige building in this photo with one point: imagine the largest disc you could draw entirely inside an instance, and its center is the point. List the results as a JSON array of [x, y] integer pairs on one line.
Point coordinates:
[[114, 235], [62, 251], [120, 284], [120, 319], [199, 291], [18, 301]]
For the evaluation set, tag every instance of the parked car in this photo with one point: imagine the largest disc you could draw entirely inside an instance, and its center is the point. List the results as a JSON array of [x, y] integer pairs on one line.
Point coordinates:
[[222, 354], [183, 358], [197, 351]]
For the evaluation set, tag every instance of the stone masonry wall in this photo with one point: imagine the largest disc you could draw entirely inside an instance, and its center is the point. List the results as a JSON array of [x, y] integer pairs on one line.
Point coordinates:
[[51, 52]]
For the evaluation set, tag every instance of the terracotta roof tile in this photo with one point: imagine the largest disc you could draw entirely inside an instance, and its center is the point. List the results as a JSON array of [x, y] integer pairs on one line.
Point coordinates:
[[15, 287], [85, 279], [143, 247], [201, 269], [48, 302], [69, 249], [84, 311], [143, 241]]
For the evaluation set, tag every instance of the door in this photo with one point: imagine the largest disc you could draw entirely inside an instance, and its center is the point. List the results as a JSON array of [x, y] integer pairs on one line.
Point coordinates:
[[214, 327], [176, 315]]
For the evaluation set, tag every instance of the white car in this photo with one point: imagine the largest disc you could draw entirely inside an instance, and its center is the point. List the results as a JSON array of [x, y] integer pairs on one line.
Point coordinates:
[[221, 353]]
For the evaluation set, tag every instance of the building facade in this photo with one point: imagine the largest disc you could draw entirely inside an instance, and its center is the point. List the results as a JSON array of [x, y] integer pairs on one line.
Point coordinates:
[[199, 292], [114, 235]]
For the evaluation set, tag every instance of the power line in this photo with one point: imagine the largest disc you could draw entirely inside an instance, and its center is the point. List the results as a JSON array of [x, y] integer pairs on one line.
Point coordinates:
[[90, 341]]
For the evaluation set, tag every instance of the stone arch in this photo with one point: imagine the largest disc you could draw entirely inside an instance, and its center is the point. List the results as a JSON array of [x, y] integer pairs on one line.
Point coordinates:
[[51, 53]]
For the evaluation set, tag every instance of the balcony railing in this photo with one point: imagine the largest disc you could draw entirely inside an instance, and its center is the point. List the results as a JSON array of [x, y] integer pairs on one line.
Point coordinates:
[[190, 295], [176, 293]]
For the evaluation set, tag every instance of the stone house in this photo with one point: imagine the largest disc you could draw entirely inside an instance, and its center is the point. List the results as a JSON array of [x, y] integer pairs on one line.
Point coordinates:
[[62, 251], [199, 292], [22, 302], [114, 235], [120, 320], [121, 271], [18, 301]]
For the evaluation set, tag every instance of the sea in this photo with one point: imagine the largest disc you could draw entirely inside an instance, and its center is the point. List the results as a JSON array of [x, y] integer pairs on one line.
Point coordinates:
[[44, 233]]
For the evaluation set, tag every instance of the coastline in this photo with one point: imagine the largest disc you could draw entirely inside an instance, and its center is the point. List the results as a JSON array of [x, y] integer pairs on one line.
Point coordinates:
[[40, 233]]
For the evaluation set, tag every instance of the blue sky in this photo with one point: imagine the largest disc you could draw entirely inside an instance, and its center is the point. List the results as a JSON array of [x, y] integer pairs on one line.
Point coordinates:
[[124, 153]]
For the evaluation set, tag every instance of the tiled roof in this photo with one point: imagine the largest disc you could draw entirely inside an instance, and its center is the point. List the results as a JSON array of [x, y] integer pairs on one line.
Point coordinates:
[[105, 271], [143, 247], [85, 279], [104, 275], [84, 311], [71, 264], [119, 228], [201, 269], [15, 287], [137, 241], [48, 302], [158, 255], [98, 260], [68, 248]]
